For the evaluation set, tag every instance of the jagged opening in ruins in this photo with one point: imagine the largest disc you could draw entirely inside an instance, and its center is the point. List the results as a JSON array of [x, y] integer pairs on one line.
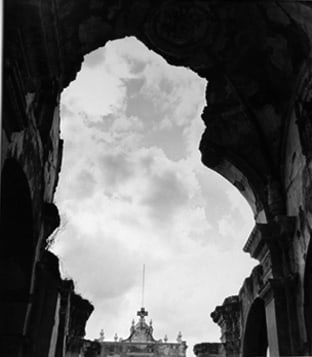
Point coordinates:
[[17, 251], [255, 343], [117, 177]]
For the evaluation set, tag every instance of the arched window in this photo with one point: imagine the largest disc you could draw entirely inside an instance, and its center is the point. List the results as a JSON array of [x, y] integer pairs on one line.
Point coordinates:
[[255, 342]]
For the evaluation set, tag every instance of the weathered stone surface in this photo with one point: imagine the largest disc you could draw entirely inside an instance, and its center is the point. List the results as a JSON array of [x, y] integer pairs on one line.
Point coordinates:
[[80, 310], [227, 316], [257, 59], [208, 350]]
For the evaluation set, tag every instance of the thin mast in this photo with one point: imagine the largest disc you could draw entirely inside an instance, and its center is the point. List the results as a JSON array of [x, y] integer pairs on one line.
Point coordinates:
[[143, 285]]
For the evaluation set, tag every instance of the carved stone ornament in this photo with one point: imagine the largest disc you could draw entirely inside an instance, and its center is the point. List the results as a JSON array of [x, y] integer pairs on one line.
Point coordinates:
[[180, 26]]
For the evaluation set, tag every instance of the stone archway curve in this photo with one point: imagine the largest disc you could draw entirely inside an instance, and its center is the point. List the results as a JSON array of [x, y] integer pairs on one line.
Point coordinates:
[[251, 77]]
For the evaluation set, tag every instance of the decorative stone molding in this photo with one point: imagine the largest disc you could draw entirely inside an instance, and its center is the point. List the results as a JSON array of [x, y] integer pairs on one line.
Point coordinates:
[[227, 316], [271, 287], [268, 242], [209, 349], [178, 27]]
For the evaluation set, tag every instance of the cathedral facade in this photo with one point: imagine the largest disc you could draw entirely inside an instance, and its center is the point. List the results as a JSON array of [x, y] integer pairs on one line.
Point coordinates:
[[140, 343]]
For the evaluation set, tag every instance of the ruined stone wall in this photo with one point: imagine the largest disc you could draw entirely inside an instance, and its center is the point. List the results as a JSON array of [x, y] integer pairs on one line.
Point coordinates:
[[256, 57], [297, 185], [283, 256], [36, 316], [208, 350], [297, 180]]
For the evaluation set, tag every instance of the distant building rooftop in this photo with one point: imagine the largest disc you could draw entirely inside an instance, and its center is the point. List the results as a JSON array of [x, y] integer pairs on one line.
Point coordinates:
[[141, 342]]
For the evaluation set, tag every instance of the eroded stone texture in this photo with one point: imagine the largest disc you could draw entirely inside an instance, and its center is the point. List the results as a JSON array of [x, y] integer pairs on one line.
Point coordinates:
[[208, 350], [227, 316], [80, 310], [256, 57]]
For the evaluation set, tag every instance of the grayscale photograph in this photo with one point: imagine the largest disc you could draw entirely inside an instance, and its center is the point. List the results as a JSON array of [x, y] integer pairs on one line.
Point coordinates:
[[156, 178]]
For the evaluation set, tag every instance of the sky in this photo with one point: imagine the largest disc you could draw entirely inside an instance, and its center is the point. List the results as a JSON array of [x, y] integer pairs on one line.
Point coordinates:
[[133, 191]]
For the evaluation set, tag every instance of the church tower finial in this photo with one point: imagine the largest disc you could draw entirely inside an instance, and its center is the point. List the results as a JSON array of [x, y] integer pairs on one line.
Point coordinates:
[[142, 312], [102, 336]]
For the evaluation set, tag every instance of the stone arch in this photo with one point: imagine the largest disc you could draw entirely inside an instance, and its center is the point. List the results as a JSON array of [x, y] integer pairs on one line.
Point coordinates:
[[248, 92], [247, 187], [259, 47], [308, 296], [16, 255], [255, 341]]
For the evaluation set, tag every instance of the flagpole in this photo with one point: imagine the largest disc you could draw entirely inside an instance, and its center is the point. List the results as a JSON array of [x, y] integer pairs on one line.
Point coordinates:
[[143, 285]]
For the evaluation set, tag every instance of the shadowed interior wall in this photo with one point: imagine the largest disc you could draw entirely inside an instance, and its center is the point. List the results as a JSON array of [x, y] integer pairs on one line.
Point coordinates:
[[16, 254], [257, 59], [308, 296], [255, 340]]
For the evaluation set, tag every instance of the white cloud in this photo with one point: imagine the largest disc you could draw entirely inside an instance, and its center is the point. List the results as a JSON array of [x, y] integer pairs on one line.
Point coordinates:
[[167, 194], [133, 191], [86, 94]]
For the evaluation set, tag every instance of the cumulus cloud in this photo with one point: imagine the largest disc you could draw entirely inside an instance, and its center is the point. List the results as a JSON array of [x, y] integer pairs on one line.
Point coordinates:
[[132, 191], [165, 99], [83, 186], [167, 194], [116, 169], [100, 265], [94, 59]]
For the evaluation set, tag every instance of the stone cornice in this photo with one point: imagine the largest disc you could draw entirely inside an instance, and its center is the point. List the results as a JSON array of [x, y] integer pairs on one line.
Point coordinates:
[[227, 311], [207, 348], [280, 230]]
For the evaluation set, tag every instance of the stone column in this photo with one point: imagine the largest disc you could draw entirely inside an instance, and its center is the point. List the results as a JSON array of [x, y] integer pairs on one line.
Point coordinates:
[[66, 289], [268, 243], [45, 305], [274, 296]]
